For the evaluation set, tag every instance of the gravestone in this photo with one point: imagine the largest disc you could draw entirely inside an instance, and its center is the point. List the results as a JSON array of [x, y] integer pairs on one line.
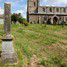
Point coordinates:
[[7, 17], [8, 54]]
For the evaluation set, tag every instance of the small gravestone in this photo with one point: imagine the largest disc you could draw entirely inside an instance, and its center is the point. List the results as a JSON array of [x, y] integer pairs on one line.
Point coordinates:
[[8, 54]]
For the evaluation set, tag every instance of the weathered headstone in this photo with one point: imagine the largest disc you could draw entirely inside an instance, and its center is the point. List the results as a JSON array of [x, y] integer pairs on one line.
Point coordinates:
[[7, 17], [8, 54]]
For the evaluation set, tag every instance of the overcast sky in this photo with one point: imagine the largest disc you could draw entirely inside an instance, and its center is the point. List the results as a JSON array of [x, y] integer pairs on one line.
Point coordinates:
[[19, 6]]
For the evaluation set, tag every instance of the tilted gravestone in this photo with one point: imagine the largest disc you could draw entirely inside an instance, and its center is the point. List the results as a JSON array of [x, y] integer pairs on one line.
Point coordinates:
[[8, 54]]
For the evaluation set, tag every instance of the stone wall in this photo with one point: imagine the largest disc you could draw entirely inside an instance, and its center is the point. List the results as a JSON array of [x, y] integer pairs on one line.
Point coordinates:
[[32, 9], [33, 19], [41, 14], [52, 10], [43, 19]]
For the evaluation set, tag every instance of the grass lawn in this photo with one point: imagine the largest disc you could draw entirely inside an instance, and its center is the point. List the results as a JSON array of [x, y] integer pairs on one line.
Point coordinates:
[[39, 45]]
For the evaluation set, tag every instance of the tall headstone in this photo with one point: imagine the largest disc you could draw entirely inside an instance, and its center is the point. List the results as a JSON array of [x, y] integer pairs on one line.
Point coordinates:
[[7, 17], [8, 54]]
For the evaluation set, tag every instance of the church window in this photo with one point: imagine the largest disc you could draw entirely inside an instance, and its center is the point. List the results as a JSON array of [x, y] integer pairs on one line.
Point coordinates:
[[57, 9], [50, 9], [34, 4], [44, 18], [66, 19], [44, 9], [64, 10]]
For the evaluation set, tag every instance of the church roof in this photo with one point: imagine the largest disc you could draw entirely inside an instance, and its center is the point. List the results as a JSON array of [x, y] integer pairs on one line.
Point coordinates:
[[53, 6]]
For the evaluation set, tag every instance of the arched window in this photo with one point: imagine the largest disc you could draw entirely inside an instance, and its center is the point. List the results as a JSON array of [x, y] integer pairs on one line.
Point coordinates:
[[64, 10], [34, 4], [57, 9], [66, 19], [44, 18], [44, 9], [50, 9]]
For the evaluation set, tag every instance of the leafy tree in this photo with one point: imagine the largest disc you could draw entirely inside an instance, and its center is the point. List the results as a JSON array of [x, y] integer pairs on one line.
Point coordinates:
[[20, 20], [14, 18], [17, 17]]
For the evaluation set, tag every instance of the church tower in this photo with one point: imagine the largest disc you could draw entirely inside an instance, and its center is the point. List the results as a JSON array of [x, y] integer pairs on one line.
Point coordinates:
[[32, 4]]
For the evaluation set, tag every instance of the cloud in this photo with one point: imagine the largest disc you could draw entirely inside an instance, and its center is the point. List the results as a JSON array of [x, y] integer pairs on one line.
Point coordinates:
[[53, 2], [22, 11], [20, 6]]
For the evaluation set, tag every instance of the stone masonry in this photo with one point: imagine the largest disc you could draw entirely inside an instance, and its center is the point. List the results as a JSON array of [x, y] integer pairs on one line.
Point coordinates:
[[8, 54], [45, 14]]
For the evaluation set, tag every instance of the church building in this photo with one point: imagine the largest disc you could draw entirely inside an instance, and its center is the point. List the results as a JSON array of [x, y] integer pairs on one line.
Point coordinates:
[[45, 14]]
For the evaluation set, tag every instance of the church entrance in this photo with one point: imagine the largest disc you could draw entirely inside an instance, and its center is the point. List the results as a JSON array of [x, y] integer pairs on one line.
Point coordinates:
[[55, 20]]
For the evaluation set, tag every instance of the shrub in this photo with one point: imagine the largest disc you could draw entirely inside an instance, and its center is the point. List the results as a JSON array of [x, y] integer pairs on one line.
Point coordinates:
[[25, 23], [20, 20], [14, 18]]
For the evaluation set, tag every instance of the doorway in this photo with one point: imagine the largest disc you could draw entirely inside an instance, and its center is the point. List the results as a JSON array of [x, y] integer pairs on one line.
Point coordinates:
[[55, 20]]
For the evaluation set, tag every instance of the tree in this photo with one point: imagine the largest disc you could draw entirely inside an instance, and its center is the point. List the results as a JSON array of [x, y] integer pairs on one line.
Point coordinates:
[[18, 17], [20, 20], [14, 17]]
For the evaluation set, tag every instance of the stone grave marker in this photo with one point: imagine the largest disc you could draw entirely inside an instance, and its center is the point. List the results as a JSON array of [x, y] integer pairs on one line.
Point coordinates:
[[8, 54]]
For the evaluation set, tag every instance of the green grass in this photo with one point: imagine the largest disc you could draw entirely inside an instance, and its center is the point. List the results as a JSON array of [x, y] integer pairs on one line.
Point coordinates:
[[47, 43]]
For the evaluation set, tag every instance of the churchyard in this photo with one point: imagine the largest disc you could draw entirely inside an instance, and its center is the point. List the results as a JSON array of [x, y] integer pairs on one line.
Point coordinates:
[[32, 45], [38, 46]]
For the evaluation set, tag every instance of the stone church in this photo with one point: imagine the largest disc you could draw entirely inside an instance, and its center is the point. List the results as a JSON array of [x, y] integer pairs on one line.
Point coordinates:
[[45, 14]]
